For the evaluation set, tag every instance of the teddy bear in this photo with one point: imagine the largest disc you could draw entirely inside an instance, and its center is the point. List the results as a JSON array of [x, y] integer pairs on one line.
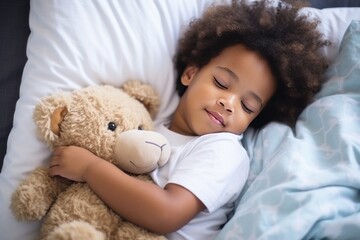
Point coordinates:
[[113, 123]]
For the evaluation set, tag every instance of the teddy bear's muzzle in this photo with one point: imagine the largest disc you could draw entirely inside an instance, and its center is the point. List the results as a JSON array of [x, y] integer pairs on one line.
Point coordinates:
[[141, 151]]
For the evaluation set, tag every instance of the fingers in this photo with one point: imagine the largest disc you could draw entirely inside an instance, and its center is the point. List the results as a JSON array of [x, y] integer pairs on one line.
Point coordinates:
[[58, 150], [52, 172], [70, 162], [55, 161], [53, 168]]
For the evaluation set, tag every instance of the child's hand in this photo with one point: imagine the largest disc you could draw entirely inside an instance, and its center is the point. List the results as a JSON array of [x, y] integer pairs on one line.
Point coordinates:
[[71, 162]]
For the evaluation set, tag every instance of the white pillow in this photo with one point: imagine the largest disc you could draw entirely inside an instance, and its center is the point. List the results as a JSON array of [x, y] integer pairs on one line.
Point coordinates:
[[74, 44], [334, 22]]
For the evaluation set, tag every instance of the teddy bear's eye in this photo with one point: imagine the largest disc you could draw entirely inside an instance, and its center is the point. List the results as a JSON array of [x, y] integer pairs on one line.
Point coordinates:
[[111, 126], [140, 128]]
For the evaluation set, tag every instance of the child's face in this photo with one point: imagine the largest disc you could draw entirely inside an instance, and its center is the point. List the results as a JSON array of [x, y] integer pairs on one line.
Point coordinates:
[[225, 95]]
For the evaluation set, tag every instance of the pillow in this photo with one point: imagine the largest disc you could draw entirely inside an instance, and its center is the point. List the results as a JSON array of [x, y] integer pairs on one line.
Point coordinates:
[[304, 183], [334, 22], [74, 44]]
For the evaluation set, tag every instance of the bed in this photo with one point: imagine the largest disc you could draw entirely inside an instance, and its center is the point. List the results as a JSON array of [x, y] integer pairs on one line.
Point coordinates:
[[304, 182]]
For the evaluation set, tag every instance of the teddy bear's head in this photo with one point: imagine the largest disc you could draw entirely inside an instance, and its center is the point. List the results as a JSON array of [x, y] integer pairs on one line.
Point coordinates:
[[113, 123]]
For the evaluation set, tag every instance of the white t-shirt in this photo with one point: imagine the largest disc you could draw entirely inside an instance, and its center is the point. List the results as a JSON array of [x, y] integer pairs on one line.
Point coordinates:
[[214, 167]]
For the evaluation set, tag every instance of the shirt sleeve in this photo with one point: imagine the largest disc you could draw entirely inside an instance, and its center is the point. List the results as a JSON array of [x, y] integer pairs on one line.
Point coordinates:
[[214, 169]]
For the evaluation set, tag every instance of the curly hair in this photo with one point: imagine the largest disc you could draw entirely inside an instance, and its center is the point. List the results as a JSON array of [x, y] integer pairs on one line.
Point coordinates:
[[288, 40]]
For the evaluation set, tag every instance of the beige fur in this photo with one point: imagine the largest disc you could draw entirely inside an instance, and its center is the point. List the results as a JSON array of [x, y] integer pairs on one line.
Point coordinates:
[[71, 210]]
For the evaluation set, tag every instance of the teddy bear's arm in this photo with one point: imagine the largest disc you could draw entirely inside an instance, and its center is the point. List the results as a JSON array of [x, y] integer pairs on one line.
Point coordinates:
[[35, 194]]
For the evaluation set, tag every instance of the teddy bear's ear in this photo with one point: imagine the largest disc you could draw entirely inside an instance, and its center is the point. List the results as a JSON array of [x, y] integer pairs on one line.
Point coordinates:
[[56, 119], [144, 93], [48, 115]]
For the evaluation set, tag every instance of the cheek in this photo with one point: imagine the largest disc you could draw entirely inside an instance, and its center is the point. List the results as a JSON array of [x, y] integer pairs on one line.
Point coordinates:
[[246, 119], [200, 91], [239, 123]]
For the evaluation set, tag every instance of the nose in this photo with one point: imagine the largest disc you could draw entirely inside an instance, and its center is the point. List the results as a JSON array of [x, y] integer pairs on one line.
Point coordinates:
[[227, 103]]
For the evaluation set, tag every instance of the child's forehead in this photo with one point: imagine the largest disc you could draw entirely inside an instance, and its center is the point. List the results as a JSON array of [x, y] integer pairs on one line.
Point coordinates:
[[237, 56]]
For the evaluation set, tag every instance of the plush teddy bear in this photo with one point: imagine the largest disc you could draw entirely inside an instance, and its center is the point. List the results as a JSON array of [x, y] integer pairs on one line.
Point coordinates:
[[113, 123]]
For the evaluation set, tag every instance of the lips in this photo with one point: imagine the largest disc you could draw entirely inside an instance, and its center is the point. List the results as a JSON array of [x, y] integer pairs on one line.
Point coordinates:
[[216, 118]]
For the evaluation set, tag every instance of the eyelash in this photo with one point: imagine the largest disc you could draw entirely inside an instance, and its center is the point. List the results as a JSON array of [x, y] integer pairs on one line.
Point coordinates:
[[217, 83], [246, 109]]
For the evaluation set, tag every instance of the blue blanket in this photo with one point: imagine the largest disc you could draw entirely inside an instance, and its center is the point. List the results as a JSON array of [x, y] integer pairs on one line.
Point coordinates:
[[304, 182]]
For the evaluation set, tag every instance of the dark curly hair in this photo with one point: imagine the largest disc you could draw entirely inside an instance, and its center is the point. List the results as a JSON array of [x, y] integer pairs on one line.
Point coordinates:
[[287, 40]]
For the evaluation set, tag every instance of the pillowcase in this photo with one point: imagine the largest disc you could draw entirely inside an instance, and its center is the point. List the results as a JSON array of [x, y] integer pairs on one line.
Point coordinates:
[[74, 44], [334, 22], [304, 183]]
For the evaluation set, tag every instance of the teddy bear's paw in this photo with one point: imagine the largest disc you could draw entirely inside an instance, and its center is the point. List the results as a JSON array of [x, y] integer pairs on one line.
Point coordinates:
[[22, 207], [34, 196], [75, 230]]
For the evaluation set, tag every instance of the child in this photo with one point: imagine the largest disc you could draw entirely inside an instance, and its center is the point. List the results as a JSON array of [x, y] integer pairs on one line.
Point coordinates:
[[239, 65]]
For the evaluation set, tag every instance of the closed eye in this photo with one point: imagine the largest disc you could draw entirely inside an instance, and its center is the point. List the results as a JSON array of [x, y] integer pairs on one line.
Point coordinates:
[[219, 84], [246, 109]]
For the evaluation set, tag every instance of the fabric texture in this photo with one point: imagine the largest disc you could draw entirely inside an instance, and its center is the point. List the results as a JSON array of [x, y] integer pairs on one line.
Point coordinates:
[[74, 44], [304, 183], [214, 167]]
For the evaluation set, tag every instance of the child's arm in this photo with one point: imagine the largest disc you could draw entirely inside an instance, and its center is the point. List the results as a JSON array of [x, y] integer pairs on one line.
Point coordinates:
[[143, 203]]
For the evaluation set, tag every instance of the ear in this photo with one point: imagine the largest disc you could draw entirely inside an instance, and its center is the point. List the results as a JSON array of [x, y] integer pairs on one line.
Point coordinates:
[[56, 119], [188, 75], [48, 115], [144, 93]]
